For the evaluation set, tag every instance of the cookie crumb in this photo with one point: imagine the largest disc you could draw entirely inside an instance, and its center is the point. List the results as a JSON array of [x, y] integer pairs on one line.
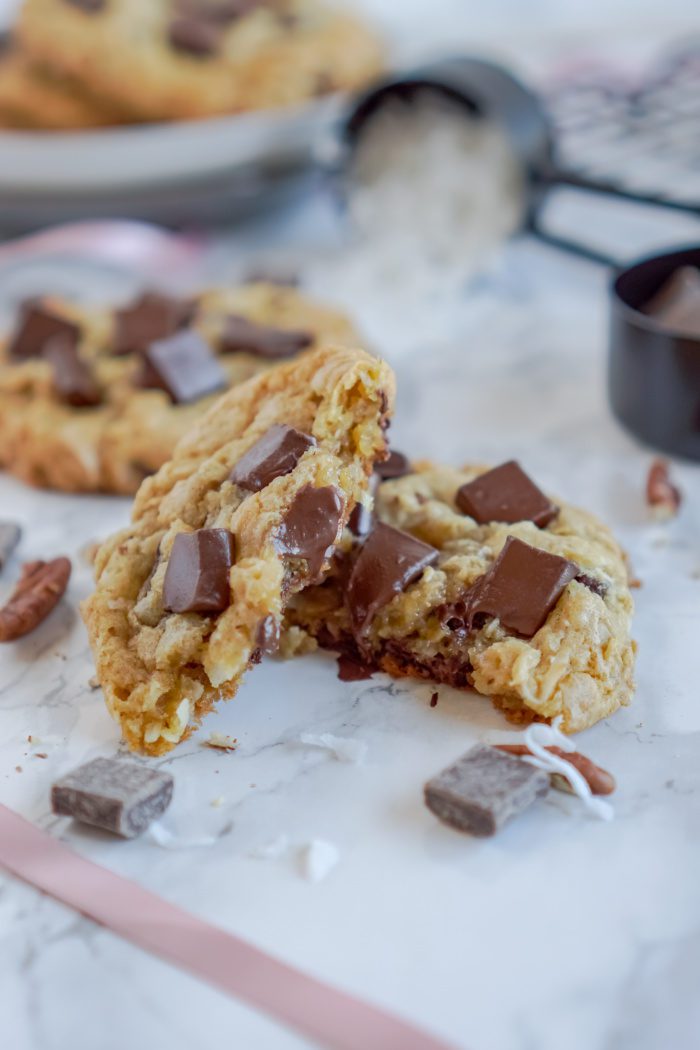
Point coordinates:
[[220, 742]]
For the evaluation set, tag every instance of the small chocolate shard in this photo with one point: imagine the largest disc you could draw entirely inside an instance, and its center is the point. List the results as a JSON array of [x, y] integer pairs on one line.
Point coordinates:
[[195, 35], [506, 494], [434, 699], [267, 637], [241, 335], [311, 527], [37, 326], [150, 317], [663, 496], [184, 367], [396, 466], [121, 797], [483, 789], [387, 563], [197, 576], [276, 453], [521, 588], [73, 379], [10, 535], [676, 305], [593, 583], [361, 520]]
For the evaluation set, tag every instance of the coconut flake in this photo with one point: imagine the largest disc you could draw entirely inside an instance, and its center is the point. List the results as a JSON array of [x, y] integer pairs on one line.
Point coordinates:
[[536, 738], [318, 858], [344, 748]]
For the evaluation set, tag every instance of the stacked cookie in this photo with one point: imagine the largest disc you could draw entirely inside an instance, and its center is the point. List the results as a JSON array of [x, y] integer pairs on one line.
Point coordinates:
[[282, 522], [91, 63]]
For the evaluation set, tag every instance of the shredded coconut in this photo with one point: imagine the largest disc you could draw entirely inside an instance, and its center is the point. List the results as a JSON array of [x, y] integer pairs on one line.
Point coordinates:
[[318, 858], [345, 749], [273, 850], [167, 839], [537, 737]]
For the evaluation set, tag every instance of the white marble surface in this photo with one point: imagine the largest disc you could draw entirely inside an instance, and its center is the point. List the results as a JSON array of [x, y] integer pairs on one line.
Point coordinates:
[[562, 932]]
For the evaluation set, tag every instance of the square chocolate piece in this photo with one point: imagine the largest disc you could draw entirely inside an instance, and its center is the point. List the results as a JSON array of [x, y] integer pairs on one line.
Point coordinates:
[[36, 328], [184, 367], [480, 791], [507, 494], [121, 797], [197, 576]]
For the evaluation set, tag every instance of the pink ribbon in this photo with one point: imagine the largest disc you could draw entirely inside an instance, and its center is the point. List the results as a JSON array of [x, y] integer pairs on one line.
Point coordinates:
[[328, 1016]]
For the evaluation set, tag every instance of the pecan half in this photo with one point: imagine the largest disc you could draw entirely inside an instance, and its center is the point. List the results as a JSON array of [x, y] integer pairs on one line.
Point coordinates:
[[41, 586], [663, 496], [599, 780]]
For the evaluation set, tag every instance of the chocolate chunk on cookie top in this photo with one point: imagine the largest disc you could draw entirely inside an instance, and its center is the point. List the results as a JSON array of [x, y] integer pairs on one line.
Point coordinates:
[[197, 577], [37, 326], [152, 316], [73, 379], [311, 527], [195, 35], [387, 563], [273, 455], [121, 797], [483, 789], [507, 494], [241, 335], [396, 466], [184, 367], [521, 588]]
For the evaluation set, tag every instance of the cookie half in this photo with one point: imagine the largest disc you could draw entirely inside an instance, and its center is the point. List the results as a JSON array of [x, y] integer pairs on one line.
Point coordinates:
[[475, 578], [245, 515]]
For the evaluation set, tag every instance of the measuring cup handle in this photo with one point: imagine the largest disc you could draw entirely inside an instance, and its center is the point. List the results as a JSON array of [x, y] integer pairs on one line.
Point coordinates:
[[567, 244], [561, 177]]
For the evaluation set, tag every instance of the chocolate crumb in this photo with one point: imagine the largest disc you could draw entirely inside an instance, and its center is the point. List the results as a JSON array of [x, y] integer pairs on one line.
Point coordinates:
[[434, 700]]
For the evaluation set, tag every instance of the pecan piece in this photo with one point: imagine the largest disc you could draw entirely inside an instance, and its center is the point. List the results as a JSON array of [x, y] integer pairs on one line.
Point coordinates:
[[663, 496], [599, 780], [41, 586]]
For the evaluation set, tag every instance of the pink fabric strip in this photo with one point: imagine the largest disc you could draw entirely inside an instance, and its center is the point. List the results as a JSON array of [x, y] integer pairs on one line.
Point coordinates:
[[325, 1014]]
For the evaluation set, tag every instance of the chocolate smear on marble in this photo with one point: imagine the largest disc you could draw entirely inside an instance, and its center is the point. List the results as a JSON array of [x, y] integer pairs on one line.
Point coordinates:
[[520, 589], [121, 797], [483, 789], [184, 367], [506, 494], [197, 578], [150, 317], [311, 527], [276, 453], [36, 327], [396, 466], [73, 380], [387, 563], [241, 335]]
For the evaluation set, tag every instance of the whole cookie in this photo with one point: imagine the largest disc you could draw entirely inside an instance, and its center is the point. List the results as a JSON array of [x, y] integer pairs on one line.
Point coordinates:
[[175, 59]]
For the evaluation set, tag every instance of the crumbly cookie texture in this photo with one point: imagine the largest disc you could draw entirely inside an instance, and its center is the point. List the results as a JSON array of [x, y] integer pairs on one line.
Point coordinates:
[[163, 61], [37, 99], [578, 664], [162, 671], [111, 447]]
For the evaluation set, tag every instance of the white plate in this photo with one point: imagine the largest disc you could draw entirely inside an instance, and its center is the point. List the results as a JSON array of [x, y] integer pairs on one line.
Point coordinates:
[[126, 159]]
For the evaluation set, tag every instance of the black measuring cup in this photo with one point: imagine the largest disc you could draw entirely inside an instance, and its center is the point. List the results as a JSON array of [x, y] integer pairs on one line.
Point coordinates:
[[654, 373]]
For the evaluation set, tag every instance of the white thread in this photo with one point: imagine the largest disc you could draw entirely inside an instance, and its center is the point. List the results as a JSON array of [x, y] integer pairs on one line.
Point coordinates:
[[538, 737]]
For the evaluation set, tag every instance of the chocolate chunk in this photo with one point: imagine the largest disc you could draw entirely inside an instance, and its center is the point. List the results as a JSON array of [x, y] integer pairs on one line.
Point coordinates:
[[73, 379], [91, 7], [521, 588], [396, 466], [241, 335], [505, 494], [195, 35], [676, 305], [276, 453], [483, 789], [218, 11], [152, 316], [593, 584], [121, 797], [10, 535], [362, 518], [197, 577], [310, 527], [37, 326], [351, 669], [387, 563], [283, 278], [267, 637], [184, 367]]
